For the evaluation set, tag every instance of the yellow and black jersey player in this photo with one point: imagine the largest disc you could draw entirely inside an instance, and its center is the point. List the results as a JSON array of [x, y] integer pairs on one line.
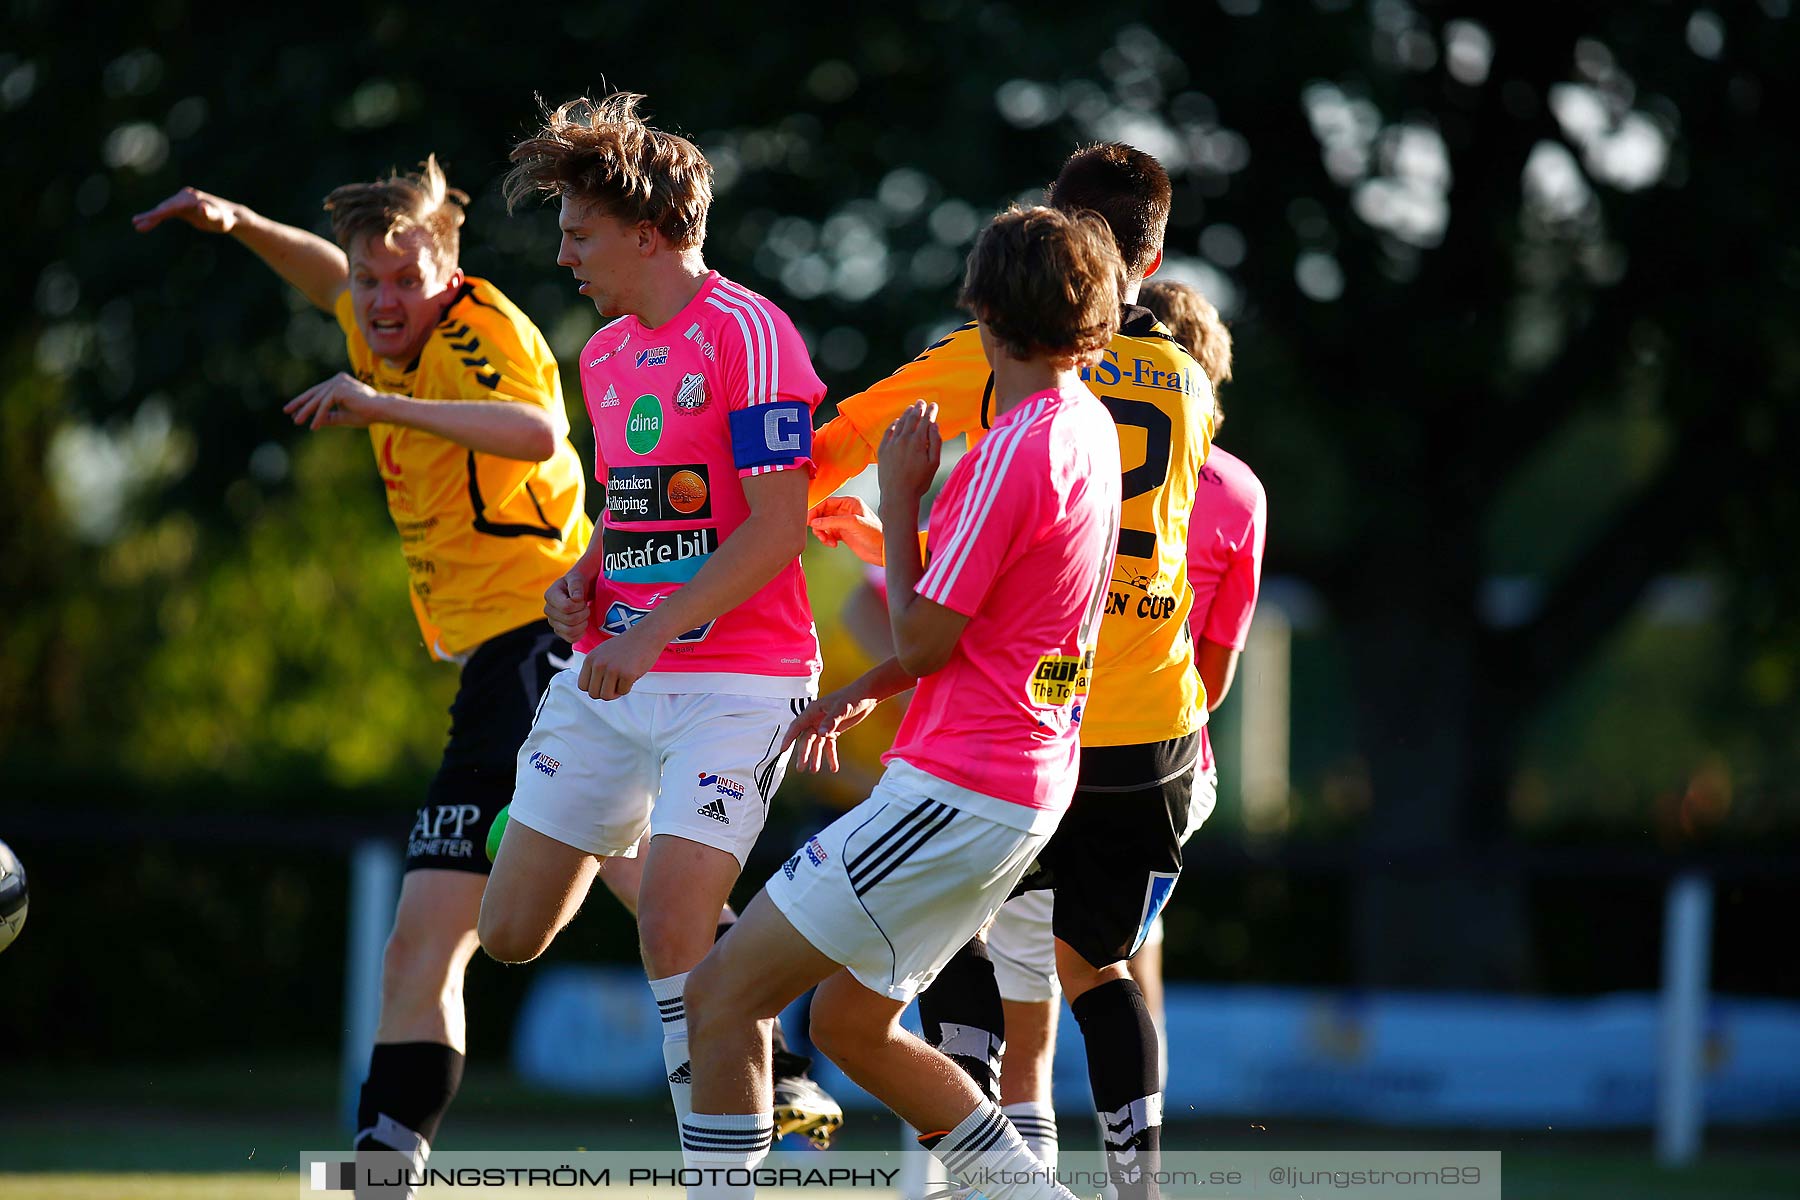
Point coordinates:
[[1116, 855], [463, 403]]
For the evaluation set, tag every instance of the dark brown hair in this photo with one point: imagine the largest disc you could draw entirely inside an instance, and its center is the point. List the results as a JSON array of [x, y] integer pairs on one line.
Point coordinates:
[[601, 153], [1046, 283], [389, 207], [1130, 191]]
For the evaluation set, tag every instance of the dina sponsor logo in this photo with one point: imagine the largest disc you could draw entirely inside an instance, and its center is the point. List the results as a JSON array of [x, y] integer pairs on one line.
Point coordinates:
[[644, 424]]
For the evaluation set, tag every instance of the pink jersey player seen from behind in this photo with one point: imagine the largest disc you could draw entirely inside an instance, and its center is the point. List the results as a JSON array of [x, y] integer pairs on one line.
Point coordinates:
[[1022, 534], [1225, 551], [681, 413]]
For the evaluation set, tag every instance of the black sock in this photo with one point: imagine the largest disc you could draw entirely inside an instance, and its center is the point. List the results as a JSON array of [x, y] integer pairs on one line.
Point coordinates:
[[410, 1084], [1122, 1054], [962, 1017]]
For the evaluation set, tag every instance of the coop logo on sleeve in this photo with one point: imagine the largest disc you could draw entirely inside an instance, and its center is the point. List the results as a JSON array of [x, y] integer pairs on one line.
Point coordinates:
[[644, 424], [691, 395]]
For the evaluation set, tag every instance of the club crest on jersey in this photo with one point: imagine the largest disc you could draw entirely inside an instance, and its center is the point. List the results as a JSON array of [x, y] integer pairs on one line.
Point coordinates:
[[652, 356], [691, 395]]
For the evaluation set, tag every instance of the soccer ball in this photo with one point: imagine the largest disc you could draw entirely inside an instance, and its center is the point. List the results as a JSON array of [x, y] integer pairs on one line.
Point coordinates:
[[12, 896]]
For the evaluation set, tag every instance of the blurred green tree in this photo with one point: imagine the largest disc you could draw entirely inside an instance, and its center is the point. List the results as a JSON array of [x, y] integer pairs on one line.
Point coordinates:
[[1511, 289]]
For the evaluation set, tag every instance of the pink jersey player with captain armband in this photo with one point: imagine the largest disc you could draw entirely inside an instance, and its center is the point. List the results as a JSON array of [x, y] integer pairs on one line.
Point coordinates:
[[681, 414]]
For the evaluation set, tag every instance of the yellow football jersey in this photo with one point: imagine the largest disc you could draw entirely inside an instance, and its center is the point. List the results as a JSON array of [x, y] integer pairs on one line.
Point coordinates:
[[483, 535], [1145, 687]]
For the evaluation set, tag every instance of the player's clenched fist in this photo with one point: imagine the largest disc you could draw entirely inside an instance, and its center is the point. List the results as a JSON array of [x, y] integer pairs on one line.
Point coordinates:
[[567, 606], [908, 457], [202, 210], [848, 521]]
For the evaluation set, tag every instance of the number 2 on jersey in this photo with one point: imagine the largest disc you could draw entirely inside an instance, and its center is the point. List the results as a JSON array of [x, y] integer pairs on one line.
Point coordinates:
[[1151, 474]]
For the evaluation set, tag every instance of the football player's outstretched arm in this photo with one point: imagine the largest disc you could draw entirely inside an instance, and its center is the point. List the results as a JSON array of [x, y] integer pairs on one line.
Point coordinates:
[[503, 428], [316, 267]]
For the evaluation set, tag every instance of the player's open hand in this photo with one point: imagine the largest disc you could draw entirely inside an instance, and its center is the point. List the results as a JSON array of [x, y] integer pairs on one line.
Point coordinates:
[[343, 400], [569, 607], [816, 730], [614, 665], [848, 521], [907, 460], [203, 210]]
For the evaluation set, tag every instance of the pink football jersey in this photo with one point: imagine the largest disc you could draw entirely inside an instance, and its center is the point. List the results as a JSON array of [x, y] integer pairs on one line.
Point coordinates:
[[1022, 539], [1225, 551], [681, 415]]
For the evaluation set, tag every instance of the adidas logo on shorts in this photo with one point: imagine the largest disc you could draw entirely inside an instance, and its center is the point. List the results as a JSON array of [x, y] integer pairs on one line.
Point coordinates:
[[715, 809], [682, 1074]]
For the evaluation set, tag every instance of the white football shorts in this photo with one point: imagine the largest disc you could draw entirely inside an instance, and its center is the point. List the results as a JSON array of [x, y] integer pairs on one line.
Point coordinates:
[[595, 774], [895, 886]]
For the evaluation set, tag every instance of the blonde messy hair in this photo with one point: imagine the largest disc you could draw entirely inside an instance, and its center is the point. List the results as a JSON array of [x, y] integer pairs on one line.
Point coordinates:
[[399, 204], [602, 153], [1195, 323]]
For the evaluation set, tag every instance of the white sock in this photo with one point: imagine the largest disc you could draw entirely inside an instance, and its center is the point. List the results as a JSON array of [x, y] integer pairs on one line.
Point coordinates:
[[985, 1152], [1036, 1124], [675, 1041], [716, 1143]]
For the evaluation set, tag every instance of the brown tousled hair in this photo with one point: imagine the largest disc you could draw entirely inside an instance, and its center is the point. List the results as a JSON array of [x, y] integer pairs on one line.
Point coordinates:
[[1195, 323], [1128, 188], [1046, 283], [602, 153], [388, 208]]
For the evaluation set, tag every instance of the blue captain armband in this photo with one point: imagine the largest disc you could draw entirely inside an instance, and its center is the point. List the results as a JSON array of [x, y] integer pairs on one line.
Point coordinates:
[[777, 434]]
